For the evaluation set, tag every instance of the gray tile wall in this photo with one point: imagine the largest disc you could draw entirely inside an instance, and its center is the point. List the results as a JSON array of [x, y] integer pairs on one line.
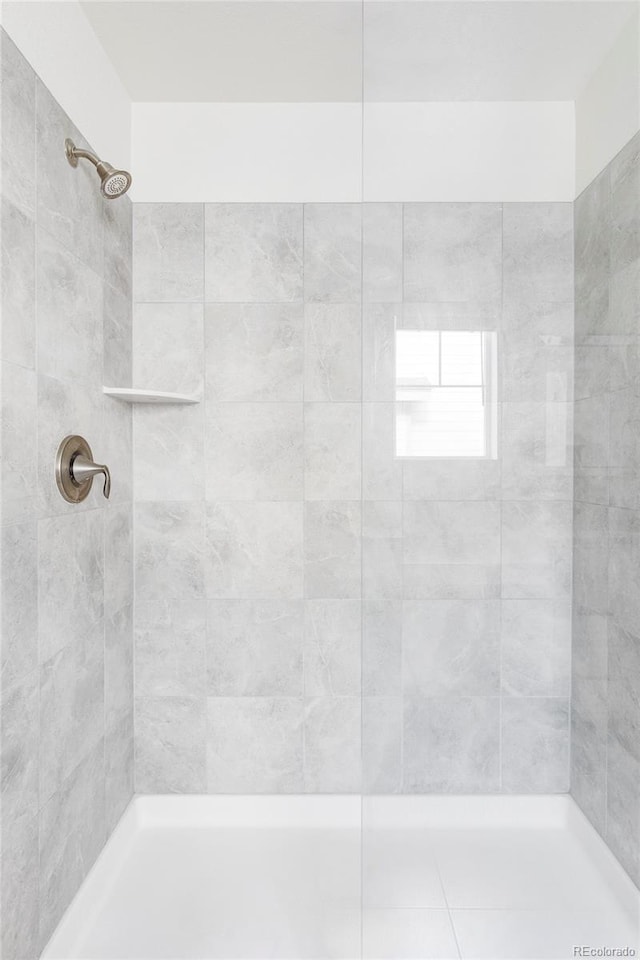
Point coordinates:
[[605, 768], [304, 599], [66, 746]]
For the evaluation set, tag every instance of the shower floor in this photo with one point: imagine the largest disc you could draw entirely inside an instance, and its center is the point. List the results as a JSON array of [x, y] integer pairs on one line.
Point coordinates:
[[275, 877]]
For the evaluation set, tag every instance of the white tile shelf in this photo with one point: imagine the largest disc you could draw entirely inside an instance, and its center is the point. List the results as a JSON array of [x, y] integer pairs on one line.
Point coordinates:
[[129, 395]]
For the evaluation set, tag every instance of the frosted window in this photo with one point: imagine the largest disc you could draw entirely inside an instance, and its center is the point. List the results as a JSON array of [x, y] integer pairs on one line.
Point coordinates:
[[445, 393]]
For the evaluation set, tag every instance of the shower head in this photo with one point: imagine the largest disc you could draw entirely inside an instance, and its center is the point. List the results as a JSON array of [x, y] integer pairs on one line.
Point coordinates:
[[113, 183]]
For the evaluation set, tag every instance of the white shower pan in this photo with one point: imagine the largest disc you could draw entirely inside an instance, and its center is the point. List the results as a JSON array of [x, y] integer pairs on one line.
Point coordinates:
[[297, 877]]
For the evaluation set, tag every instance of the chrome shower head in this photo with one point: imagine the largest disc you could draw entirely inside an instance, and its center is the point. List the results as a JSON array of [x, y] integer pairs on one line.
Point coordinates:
[[113, 183]]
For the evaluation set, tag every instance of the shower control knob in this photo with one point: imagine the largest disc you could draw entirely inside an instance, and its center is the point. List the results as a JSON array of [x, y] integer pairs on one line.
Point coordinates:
[[75, 470]]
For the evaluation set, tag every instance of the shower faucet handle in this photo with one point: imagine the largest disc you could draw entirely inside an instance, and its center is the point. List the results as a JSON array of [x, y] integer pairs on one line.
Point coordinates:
[[83, 469], [75, 470]]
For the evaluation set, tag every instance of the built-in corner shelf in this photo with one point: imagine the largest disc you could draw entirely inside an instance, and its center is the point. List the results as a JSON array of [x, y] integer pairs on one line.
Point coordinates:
[[129, 395]]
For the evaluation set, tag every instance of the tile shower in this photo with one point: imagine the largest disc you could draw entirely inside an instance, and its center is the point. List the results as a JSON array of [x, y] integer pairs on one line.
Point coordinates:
[[311, 614], [293, 525]]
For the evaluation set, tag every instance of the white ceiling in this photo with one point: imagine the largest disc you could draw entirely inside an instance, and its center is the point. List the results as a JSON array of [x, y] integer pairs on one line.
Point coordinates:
[[420, 50]]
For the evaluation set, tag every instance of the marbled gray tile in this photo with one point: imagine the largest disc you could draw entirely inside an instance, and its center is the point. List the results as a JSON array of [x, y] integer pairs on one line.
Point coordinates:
[[464, 581], [451, 315], [119, 769], [64, 409], [381, 469], [19, 608], [624, 561], [332, 645], [254, 648], [332, 252], [170, 744], [253, 252], [591, 432], [332, 351], [17, 116], [381, 648], [168, 460], [536, 550], [382, 567], [332, 451], [332, 549], [625, 205], [623, 821], [254, 451], [118, 667], [451, 648], [592, 219], [19, 890], [117, 335], [19, 472], [18, 295], [439, 532], [624, 448], [381, 745], [623, 671], [68, 313], [254, 745], [69, 205], [254, 550], [536, 352], [70, 595], [169, 551], [254, 351], [71, 708], [537, 455], [19, 752], [118, 558], [458, 479], [535, 745], [116, 449], [379, 321], [332, 745], [168, 255], [451, 745], [536, 648], [590, 558], [589, 751], [452, 252], [170, 640], [72, 833], [168, 347], [538, 251], [381, 252], [117, 225]]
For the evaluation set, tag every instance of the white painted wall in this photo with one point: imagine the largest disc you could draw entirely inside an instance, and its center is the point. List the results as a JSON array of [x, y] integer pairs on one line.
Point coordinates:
[[469, 151], [312, 152], [204, 152], [608, 110], [61, 46]]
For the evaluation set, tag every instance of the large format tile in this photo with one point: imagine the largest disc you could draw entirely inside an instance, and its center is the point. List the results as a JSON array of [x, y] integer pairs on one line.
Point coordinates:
[[168, 347], [332, 549], [19, 471], [19, 608], [118, 668], [381, 745], [382, 252], [254, 451], [451, 745], [332, 451], [170, 642], [332, 738], [332, 645], [536, 648], [20, 748], [452, 251], [536, 550], [254, 745], [254, 648], [625, 205], [170, 744], [535, 745], [254, 550], [537, 455], [332, 252], [168, 457], [19, 889], [18, 295], [167, 252], [538, 251], [332, 351], [18, 112], [396, 934], [253, 252], [451, 648], [254, 351], [169, 551], [451, 532]]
